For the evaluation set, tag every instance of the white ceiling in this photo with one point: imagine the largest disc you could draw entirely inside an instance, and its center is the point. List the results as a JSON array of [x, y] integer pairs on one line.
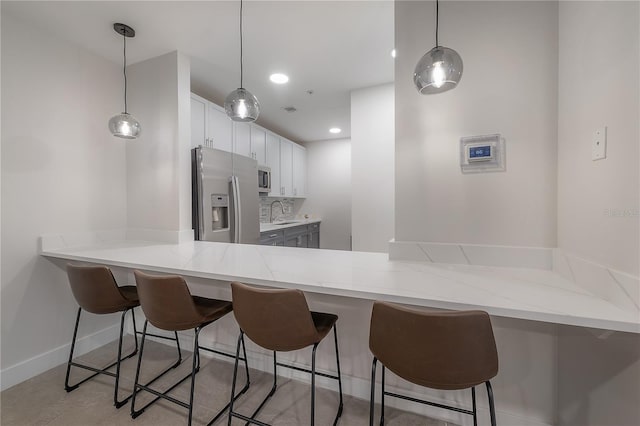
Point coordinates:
[[330, 47]]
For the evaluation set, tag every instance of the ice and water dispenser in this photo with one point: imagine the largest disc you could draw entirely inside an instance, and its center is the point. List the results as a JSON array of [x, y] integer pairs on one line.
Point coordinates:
[[219, 211]]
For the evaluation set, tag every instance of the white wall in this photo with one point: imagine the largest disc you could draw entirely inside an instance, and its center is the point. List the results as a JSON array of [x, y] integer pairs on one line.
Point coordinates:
[[598, 201], [599, 84], [509, 86], [329, 191], [158, 162], [62, 171], [372, 168]]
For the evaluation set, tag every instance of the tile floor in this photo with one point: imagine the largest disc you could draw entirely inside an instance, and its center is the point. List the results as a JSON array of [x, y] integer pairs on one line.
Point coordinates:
[[43, 401]]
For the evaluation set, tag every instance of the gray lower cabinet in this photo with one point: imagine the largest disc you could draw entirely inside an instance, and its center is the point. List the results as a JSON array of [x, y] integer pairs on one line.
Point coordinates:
[[272, 238], [296, 236], [305, 236], [313, 239]]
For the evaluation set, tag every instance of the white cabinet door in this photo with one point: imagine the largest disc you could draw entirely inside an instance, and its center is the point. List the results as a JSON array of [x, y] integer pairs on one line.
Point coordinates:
[[286, 167], [198, 121], [273, 161], [242, 139], [220, 128], [299, 171], [258, 144]]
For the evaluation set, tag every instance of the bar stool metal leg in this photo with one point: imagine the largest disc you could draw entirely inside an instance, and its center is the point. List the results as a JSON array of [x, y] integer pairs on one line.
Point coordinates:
[[382, 397], [340, 407], [272, 391], [117, 403], [372, 400], [73, 345], [194, 367], [233, 386], [313, 384], [492, 408], [235, 375], [252, 419], [136, 386], [473, 400]]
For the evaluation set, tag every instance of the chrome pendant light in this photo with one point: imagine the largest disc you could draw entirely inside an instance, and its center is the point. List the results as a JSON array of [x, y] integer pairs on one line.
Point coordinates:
[[242, 105], [440, 69], [124, 125]]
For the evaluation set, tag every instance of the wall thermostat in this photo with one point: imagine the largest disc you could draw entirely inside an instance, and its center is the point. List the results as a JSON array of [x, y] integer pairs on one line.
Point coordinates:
[[482, 154]]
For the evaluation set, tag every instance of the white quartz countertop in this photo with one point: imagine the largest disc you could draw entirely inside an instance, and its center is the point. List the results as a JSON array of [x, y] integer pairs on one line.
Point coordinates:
[[277, 226], [529, 294]]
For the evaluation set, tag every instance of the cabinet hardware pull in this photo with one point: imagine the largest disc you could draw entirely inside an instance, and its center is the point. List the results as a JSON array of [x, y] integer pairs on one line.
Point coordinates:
[[273, 235]]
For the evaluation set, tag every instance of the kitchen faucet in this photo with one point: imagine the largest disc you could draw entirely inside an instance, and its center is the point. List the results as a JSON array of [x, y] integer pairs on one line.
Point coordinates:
[[271, 209]]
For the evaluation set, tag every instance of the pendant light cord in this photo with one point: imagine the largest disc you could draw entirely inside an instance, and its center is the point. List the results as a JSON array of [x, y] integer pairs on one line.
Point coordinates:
[[241, 70], [437, 20], [124, 70]]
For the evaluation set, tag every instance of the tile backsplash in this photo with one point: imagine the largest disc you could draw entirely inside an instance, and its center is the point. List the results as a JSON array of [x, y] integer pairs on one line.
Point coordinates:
[[265, 209]]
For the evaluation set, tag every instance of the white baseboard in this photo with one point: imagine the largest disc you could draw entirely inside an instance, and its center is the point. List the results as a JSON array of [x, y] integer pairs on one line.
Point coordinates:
[[31, 367]]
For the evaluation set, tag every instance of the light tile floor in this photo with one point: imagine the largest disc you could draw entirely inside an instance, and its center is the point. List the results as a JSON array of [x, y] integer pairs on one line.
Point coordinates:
[[43, 401]]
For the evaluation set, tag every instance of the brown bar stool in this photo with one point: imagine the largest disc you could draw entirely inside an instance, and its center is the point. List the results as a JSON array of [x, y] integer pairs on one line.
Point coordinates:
[[438, 350], [96, 291], [280, 320], [168, 305]]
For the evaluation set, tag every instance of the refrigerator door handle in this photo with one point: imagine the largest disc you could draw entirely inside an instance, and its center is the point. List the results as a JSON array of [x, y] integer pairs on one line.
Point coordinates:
[[200, 189], [235, 193]]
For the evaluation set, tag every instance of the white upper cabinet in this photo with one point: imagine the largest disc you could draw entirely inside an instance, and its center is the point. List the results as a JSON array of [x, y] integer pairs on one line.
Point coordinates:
[[259, 144], [286, 167], [220, 128], [198, 121], [211, 127], [299, 165], [273, 161], [242, 139]]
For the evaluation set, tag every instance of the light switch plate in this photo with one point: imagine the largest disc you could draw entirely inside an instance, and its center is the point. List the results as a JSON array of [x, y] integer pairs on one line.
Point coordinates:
[[599, 144]]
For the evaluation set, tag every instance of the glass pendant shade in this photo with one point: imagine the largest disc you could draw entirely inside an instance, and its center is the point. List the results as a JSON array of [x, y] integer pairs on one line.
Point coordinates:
[[124, 126], [242, 105], [439, 70]]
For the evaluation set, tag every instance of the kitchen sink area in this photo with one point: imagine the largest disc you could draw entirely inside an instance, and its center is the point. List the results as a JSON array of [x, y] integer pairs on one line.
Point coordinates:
[[304, 233]]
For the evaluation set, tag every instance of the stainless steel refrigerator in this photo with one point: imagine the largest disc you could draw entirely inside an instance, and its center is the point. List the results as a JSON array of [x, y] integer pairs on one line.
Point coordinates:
[[225, 196]]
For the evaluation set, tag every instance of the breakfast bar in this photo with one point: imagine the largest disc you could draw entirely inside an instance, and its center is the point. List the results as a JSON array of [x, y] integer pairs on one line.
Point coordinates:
[[520, 293], [538, 316]]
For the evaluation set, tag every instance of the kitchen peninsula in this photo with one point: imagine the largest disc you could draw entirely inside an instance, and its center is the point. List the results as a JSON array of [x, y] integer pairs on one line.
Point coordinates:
[[535, 312], [520, 293]]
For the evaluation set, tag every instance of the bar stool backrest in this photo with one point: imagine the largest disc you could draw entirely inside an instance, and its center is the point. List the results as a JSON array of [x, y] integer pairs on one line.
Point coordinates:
[[440, 350], [276, 319], [95, 289], [166, 301]]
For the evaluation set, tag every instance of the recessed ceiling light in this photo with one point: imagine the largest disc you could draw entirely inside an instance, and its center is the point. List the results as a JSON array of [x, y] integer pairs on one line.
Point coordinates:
[[393, 53], [335, 130], [279, 78]]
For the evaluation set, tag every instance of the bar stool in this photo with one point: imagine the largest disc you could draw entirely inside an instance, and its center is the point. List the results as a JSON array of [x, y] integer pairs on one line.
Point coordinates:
[[96, 291], [438, 350], [280, 320], [168, 305]]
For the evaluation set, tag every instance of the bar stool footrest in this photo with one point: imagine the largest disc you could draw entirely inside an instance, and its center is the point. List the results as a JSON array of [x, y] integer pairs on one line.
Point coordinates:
[[433, 404]]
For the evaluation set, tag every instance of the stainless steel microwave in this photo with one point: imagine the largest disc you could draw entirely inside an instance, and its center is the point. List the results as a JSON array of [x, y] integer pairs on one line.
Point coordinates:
[[264, 179]]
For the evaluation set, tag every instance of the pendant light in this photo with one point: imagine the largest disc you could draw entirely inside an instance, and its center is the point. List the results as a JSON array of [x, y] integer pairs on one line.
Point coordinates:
[[124, 125], [440, 69], [242, 105]]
